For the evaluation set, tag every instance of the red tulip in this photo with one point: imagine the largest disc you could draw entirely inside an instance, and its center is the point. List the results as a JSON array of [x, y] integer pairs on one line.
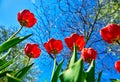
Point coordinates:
[[88, 54], [32, 50], [117, 65], [110, 33], [53, 46], [75, 39], [26, 18]]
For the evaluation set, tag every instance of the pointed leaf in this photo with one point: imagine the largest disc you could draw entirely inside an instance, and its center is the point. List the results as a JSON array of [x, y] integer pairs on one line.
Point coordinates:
[[74, 57], [99, 77], [12, 42], [74, 73], [4, 73], [2, 62], [56, 72], [6, 64], [23, 71], [91, 72], [12, 78], [5, 55], [115, 80]]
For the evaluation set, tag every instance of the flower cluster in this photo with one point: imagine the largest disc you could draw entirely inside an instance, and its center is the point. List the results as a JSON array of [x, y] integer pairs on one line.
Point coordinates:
[[53, 46], [27, 19], [111, 34]]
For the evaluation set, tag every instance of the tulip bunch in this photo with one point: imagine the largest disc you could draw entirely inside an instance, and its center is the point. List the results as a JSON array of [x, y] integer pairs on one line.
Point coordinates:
[[26, 19], [111, 34], [75, 71]]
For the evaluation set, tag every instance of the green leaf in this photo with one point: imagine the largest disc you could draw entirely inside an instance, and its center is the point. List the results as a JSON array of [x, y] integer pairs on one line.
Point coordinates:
[[91, 72], [12, 78], [12, 42], [6, 54], [74, 73], [54, 67], [2, 62], [23, 71], [74, 57], [56, 72], [4, 73], [99, 76], [6, 64], [115, 80]]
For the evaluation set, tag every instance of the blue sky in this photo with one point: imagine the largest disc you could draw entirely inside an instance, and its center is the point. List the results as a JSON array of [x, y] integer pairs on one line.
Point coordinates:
[[8, 17], [9, 10]]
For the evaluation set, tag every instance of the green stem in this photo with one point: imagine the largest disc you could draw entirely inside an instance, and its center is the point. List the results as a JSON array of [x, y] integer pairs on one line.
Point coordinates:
[[54, 67], [15, 33], [28, 61]]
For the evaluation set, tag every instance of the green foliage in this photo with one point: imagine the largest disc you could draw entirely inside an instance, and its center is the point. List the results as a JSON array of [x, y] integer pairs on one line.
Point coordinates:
[[6, 73], [56, 71], [20, 58], [74, 57], [99, 77], [75, 71], [115, 80], [91, 72], [74, 74], [13, 79], [5, 65], [23, 71], [2, 62], [12, 42], [3, 74], [109, 11]]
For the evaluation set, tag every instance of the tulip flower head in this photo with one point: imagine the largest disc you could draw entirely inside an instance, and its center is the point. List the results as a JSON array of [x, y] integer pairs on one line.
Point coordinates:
[[76, 40], [88, 54], [26, 18], [53, 46], [117, 66], [32, 50], [110, 33]]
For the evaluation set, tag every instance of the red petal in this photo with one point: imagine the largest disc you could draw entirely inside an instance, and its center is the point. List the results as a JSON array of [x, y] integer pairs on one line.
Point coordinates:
[[27, 17], [88, 54], [75, 39], [117, 65], [32, 50], [53, 44]]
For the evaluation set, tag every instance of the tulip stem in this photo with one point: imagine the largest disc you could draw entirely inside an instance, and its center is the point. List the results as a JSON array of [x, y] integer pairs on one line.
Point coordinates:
[[16, 33], [28, 61], [55, 60]]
